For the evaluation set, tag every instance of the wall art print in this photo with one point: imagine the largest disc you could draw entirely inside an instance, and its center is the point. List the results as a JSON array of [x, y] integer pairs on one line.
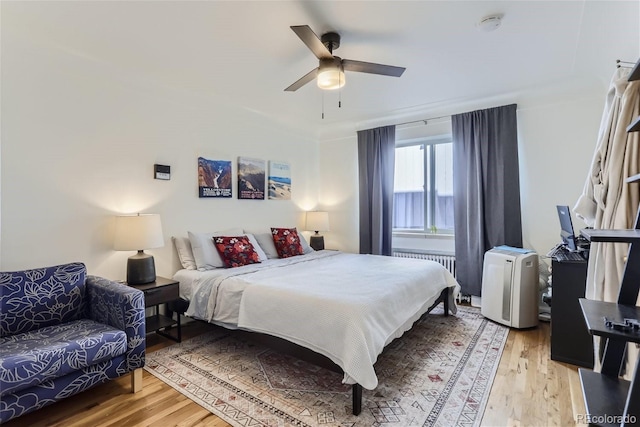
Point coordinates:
[[251, 178], [279, 180], [214, 178]]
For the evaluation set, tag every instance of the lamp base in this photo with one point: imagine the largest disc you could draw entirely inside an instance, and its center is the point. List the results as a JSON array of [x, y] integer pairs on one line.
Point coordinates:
[[317, 242], [141, 268]]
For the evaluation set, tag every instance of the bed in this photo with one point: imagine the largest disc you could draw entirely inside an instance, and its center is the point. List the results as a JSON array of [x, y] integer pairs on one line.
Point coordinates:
[[345, 307]]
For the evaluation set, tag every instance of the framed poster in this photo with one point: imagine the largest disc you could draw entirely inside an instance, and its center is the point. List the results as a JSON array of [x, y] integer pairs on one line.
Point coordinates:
[[214, 178], [279, 181], [251, 178]]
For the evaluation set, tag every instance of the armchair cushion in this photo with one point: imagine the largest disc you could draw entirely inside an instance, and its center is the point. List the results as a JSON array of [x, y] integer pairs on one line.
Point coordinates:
[[36, 356]]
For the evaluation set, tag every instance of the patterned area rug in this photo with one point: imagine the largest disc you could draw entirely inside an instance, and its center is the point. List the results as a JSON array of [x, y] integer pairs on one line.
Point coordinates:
[[437, 374]]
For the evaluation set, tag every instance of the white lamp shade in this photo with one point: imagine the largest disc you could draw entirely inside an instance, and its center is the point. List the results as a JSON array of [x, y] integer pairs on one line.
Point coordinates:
[[138, 232], [317, 221]]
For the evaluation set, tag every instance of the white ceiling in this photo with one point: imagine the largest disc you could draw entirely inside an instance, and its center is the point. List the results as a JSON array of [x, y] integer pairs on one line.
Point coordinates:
[[244, 53]]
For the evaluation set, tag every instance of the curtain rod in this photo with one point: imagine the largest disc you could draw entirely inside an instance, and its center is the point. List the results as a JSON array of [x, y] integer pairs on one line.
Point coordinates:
[[423, 120]]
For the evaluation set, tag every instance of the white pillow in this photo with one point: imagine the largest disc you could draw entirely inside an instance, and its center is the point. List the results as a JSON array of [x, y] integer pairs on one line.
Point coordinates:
[[262, 256], [185, 254], [266, 243], [205, 252], [305, 246]]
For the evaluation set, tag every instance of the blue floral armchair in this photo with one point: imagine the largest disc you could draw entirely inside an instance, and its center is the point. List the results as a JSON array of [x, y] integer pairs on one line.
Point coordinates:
[[62, 332]]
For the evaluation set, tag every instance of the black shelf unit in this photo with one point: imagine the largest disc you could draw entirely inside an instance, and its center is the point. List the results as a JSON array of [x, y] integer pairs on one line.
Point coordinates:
[[596, 311], [609, 399], [635, 75], [620, 236], [635, 72], [603, 396]]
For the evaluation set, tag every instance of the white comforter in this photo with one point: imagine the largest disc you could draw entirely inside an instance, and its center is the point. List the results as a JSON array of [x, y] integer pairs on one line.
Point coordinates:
[[344, 306]]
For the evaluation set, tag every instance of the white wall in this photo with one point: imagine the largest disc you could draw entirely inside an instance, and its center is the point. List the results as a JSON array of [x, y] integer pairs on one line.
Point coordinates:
[[557, 141], [79, 141], [338, 193], [557, 136]]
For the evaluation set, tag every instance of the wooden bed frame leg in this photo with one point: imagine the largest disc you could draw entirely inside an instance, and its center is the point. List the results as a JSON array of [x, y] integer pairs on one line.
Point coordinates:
[[356, 392]]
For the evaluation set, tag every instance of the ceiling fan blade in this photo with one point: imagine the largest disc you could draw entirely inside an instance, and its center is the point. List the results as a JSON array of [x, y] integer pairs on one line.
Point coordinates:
[[303, 80], [312, 41], [370, 67]]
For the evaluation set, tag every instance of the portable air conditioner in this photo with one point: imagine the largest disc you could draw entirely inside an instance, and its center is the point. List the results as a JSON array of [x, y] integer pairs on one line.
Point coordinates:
[[510, 286]]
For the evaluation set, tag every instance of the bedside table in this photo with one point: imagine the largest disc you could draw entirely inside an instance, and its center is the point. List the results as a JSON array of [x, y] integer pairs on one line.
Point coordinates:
[[162, 291]]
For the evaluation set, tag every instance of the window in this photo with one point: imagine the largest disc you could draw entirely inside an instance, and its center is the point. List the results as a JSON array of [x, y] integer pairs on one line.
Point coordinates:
[[423, 186]]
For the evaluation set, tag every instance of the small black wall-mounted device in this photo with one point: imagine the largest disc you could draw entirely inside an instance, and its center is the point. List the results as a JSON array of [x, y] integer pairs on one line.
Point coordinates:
[[162, 172]]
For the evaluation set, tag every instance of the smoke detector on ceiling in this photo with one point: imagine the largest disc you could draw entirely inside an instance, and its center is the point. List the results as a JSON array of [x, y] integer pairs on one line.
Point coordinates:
[[490, 22]]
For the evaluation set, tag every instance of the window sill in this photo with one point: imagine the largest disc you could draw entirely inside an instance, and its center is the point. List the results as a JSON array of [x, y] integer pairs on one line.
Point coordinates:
[[423, 235]]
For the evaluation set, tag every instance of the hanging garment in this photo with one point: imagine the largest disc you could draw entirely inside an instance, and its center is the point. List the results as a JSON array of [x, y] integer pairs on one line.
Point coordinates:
[[591, 201], [607, 201]]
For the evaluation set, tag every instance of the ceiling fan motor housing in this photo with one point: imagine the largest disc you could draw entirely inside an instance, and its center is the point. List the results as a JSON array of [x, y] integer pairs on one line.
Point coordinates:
[[331, 41]]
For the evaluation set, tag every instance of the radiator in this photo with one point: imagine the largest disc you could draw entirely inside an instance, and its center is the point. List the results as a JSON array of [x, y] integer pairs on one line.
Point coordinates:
[[447, 260]]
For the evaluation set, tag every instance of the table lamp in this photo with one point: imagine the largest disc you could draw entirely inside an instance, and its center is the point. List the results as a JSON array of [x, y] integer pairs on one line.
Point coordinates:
[[317, 221], [137, 233]]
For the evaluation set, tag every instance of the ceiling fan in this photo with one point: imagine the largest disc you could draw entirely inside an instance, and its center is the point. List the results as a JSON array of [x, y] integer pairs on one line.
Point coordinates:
[[330, 71]]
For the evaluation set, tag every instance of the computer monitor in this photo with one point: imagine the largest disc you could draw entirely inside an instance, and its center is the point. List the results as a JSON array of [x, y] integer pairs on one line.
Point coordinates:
[[566, 228]]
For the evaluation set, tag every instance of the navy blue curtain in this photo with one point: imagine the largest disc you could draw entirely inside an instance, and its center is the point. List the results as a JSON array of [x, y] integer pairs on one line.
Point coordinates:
[[486, 189], [376, 163]]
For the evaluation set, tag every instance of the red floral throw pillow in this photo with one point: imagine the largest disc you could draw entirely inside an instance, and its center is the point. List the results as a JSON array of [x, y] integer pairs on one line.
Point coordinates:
[[236, 251], [287, 242]]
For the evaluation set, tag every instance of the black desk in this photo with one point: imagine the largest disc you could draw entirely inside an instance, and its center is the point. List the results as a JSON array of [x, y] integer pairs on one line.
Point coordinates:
[[570, 339]]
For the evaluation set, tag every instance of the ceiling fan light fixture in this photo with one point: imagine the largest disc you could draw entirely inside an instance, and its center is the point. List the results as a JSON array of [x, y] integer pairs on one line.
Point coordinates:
[[330, 74], [330, 79]]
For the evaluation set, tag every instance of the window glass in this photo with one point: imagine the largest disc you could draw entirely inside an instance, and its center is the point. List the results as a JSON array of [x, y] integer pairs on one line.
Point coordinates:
[[444, 186], [423, 187], [408, 192]]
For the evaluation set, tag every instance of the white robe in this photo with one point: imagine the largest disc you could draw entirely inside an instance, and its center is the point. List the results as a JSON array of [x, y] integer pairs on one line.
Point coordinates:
[[607, 201]]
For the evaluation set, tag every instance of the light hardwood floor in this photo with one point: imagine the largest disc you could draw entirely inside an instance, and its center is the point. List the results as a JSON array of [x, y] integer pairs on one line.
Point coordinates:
[[529, 390]]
